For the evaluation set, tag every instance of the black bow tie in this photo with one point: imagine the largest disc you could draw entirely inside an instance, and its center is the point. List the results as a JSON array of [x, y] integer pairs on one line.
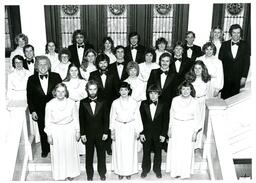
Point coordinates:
[[92, 100], [151, 102], [30, 61], [237, 43], [120, 63], [177, 59], [134, 47], [103, 72], [43, 76], [165, 72], [80, 46]]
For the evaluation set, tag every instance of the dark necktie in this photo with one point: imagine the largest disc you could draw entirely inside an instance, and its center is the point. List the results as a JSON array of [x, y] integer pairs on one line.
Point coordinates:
[[80, 46], [30, 61], [134, 47], [177, 59], [151, 102], [43, 76], [120, 63], [103, 72], [165, 72], [237, 43], [92, 100]]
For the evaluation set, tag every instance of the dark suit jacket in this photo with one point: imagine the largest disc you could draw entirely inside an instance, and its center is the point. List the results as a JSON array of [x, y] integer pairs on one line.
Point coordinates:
[[185, 66], [234, 68], [95, 124], [197, 52], [36, 97], [157, 126], [74, 55], [168, 90], [108, 92], [140, 57]]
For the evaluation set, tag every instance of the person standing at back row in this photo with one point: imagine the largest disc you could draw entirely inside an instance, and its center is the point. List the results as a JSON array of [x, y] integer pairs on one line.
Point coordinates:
[[235, 58], [134, 51]]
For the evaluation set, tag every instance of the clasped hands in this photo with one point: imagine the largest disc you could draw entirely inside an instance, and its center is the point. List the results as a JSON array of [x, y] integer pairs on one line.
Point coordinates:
[[143, 138]]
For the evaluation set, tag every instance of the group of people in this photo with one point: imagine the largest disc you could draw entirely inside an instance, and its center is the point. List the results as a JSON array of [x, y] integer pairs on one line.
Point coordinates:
[[121, 97]]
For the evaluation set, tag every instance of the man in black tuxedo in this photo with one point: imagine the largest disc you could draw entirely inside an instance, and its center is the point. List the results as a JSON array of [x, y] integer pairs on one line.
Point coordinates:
[[190, 50], [107, 86], [181, 64], [94, 124], [78, 47], [29, 53], [164, 78], [155, 119], [134, 51], [39, 92], [235, 57], [118, 69]]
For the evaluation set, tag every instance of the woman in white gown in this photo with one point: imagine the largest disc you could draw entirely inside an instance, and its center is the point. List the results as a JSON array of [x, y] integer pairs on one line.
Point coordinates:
[[20, 40], [137, 85], [161, 47], [148, 65], [215, 69], [108, 49], [88, 63], [62, 67], [125, 126], [200, 79], [63, 132], [50, 50], [76, 88], [183, 128], [17, 80], [217, 37]]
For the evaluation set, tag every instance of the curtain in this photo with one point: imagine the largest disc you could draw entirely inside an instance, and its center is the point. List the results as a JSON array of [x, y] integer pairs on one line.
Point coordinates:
[[218, 15], [180, 22], [247, 26], [52, 24]]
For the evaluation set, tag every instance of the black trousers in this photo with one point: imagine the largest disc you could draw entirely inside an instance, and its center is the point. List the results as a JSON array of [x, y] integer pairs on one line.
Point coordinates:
[[155, 144], [230, 89], [90, 145], [43, 136]]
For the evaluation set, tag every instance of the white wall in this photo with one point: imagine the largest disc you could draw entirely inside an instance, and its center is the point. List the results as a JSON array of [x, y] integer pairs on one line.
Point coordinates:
[[200, 20], [33, 25]]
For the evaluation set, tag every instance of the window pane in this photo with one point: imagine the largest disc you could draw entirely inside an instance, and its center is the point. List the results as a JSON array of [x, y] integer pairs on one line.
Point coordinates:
[[7, 31]]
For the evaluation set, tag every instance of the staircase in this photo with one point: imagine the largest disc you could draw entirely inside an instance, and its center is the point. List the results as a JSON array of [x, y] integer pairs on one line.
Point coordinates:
[[40, 168]]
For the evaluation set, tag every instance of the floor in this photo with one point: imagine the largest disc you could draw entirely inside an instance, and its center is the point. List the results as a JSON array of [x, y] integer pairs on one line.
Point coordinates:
[[42, 170]]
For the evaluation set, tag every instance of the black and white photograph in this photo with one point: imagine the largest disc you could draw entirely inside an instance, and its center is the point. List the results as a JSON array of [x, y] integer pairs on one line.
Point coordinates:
[[127, 91]]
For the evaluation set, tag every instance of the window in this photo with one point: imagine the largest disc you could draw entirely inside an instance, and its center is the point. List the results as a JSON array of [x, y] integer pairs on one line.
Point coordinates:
[[117, 23], [7, 31]]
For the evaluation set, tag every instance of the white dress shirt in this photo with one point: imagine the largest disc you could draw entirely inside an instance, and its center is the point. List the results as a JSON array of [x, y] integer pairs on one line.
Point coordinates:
[[44, 83], [120, 70], [93, 106], [134, 53], [177, 64], [189, 52], [80, 52], [163, 78], [234, 49], [152, 110], [103, 79]]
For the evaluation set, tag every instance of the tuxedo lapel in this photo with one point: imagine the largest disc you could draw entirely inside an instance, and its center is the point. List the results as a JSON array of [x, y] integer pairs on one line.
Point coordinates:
[[88, 107], [147, 110], [158, 110], [38, 83], [98, 106], [50, 84], [168, 80], [99, 79]]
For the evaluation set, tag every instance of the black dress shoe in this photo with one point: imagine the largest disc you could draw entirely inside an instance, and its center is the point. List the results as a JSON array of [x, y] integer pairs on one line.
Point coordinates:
[[44, 155], [89, 178], [120, 177], [103, 178], [143, 175], [128, 177], [159, 175]]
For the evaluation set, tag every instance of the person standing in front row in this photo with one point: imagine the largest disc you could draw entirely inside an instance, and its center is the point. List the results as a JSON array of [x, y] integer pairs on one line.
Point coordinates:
[[155, 119], [62, 128], [125, 126], [235, 57], [183, 129], [94, 123], [134, 51], [39, 92]]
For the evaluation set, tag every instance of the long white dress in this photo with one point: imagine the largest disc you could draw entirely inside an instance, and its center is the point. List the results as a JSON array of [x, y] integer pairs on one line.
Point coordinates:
[[215, 69], [54, 60], [62, 69], [202, 93], [183, 123], [145, 69], [217, 43], [125, 121], [61, 122], [138, 88], [76, 89], [17, 84], [86, 74]]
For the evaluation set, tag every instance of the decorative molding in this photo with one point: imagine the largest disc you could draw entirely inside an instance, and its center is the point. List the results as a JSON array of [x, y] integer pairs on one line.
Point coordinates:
[[234, 8], [163, 9], [70, 10], [117, 9]]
